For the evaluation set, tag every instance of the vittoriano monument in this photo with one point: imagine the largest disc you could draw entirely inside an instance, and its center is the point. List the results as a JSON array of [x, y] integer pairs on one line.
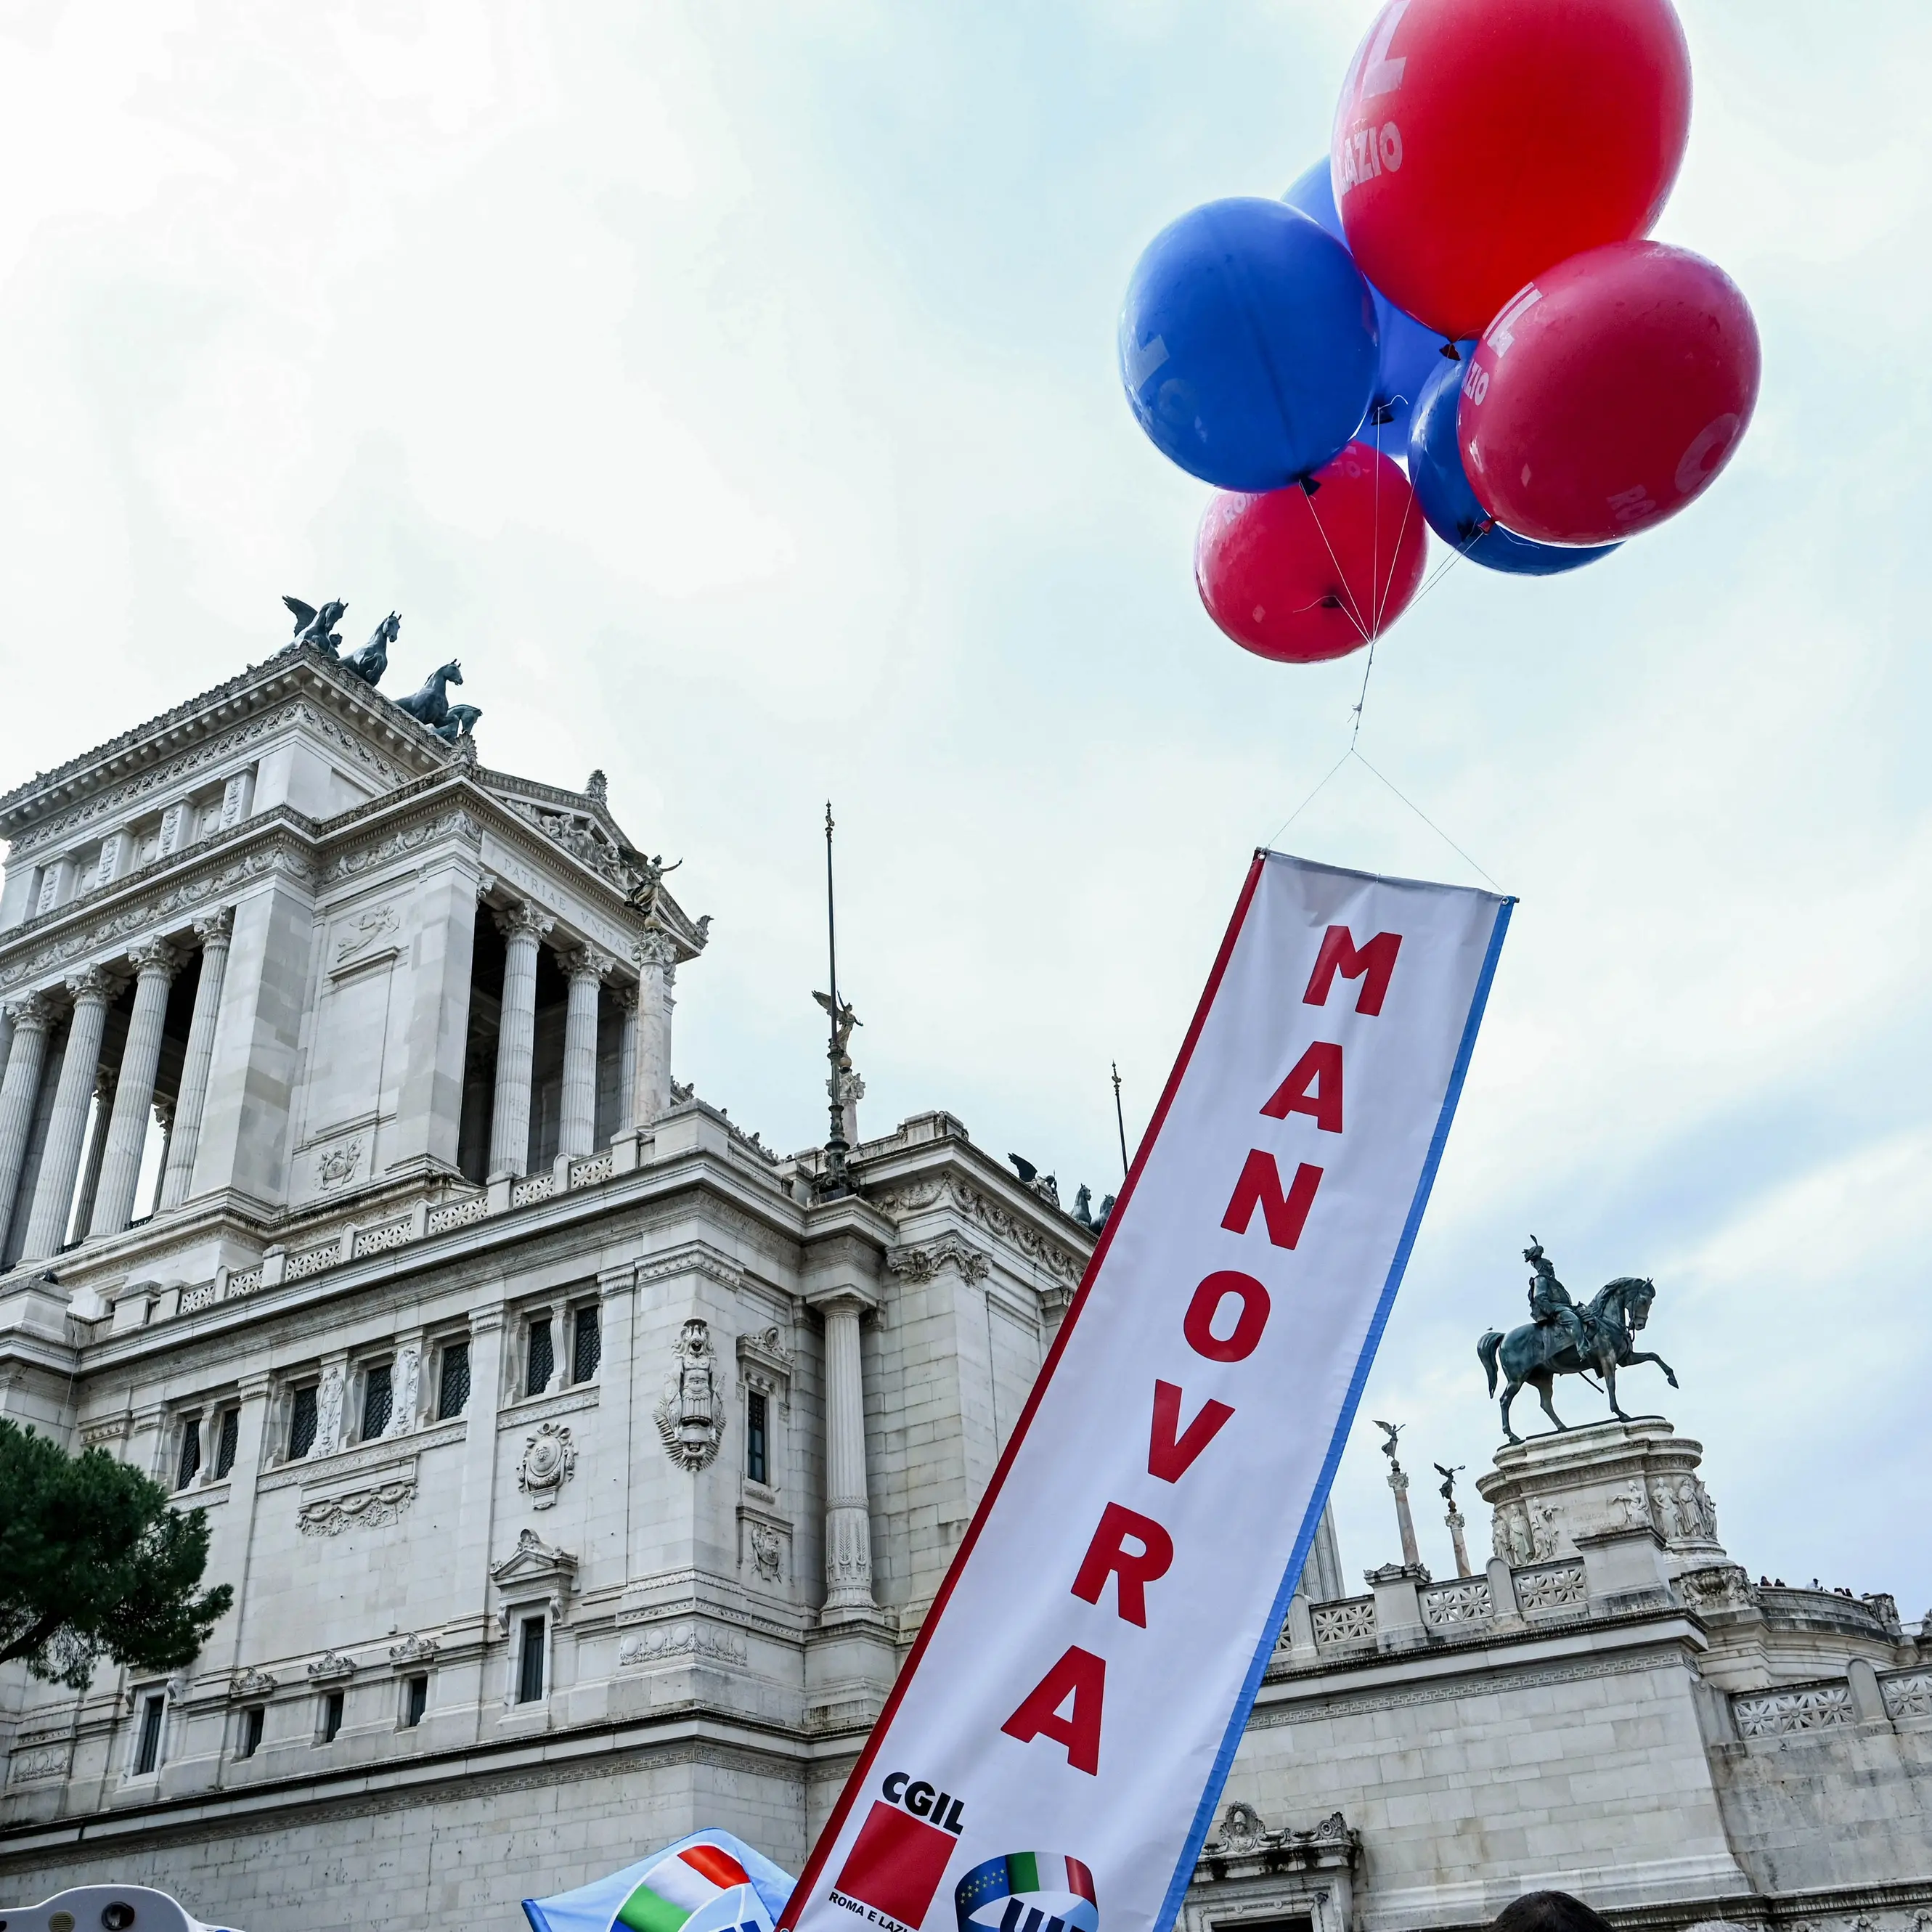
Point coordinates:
[[1560, 1338]]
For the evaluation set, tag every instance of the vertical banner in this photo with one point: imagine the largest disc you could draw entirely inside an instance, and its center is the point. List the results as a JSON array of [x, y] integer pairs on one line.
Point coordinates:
[[1054, 1749]]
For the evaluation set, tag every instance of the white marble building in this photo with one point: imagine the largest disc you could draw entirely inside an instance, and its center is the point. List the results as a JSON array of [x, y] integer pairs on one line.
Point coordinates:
[[583, 1471]]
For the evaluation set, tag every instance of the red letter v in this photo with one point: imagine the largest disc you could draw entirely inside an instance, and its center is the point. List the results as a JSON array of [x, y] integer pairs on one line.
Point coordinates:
[[1170, 1454]]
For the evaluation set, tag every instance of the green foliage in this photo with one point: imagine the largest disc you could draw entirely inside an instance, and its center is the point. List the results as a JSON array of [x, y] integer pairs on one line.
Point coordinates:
[[94, 1562]]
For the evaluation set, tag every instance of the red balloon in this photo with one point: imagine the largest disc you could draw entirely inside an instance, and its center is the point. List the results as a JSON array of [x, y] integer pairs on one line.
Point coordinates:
[[1299, 578], [1609, 394], [1478, 141]]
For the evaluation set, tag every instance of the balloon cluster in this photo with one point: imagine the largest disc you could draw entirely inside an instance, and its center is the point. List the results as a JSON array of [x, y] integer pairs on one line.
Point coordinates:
[[1462, 283]]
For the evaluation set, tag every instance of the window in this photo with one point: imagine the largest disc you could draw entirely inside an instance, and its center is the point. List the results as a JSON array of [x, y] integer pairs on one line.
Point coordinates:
[[530, 1662], [541, 1358], [415, 1701], [453, 1388], [586, 1344], [251, 1731], [147, 1748], [228, 1431], [378, 1400], [331, 1716], [301, 1423], [188, 1466], [756, 1418]]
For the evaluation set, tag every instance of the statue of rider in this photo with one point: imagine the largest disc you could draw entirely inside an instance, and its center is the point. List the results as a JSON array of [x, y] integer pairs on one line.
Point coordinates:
[[1549, 1303]]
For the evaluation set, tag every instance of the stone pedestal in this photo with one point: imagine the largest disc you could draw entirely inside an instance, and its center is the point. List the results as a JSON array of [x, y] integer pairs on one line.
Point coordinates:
[[1551, 1494], [1398, 1588]]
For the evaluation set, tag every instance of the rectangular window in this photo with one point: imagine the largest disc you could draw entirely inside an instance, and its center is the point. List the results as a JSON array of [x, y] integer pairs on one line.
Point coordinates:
[[189, 1464], [301, 1423], [148, 1752], [378, 1399], [331, 1716], [453, 1389], [251, 1731], [225, 1440], [415, 1701], [530, 1663], [541, 1359], [757, 1462], [586, 1347]]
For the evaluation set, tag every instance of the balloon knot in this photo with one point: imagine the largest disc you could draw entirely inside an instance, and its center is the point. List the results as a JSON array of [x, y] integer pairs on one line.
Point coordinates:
[[1331, 602], [1308, 485], [1382, 414], [1450, 349]]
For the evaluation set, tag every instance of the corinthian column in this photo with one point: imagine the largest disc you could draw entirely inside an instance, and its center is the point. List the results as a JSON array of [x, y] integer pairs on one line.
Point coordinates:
[[97, 1148], [848, 1523], [178, 1175], [522, 927], [33, 1019], [657, 972], [156, 965], [66, 1126], [577, 1127]]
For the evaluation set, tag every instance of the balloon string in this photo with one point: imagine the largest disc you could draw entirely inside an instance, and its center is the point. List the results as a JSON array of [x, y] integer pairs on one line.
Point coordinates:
[[1354, 615], [1402, 530], [1362, 696], [1352, 752]]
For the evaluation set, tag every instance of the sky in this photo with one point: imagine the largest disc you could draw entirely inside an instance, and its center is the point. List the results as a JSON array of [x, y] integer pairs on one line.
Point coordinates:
[[731, 389]]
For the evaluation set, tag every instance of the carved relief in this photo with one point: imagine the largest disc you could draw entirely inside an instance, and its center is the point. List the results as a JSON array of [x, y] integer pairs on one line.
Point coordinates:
[[920, 1265], [692, 1640], [25, 1767], [690, 1417], [413, 1649], [1723, 1586], [361, 933], [549, 1458], [1061, 1262], [767, 1550], [252, 1683], [329, 1667], [328, 1412], [361, 1509], [410, 838], [408, 1385], [337, 1166]]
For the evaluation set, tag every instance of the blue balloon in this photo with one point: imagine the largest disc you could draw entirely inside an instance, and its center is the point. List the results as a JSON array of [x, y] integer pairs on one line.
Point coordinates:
[[1454, 513], [1247, 343], [1411, 354]]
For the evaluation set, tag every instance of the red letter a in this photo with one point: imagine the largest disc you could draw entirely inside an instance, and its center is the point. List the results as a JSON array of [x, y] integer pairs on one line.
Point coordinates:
[[1320, 1069], [1339, 954], [1081, 1676]]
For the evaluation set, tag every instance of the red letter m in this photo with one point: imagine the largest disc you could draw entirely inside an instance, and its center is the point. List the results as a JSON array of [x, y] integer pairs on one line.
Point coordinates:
[[1372, 965]]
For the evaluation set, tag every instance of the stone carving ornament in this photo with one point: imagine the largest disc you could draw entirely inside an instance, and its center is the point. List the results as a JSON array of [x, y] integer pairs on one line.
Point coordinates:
[[372, 924], [252, 1683], [408, 1391], [331, 1665], [549, 1458], [767, 1551], [337, 1167], [328, 1410], [362, 1509], [690, 1417]]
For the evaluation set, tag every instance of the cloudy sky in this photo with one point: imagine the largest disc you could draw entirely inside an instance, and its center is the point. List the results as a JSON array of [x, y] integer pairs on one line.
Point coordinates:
[[731, 387]]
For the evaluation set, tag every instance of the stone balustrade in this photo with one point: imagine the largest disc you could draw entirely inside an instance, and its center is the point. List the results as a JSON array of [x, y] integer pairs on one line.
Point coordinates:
[[1896, 1697]]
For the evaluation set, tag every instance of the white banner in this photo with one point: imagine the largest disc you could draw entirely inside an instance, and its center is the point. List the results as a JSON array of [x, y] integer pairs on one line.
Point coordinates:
[[1054, 1750]]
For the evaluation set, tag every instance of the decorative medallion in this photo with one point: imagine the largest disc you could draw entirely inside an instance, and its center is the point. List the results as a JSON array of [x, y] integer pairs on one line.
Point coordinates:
[[690, 1417], [549, 1457]]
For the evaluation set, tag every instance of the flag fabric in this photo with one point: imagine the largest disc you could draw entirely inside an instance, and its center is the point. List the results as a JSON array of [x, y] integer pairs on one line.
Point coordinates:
[[710, 1881], [1085, 1671]]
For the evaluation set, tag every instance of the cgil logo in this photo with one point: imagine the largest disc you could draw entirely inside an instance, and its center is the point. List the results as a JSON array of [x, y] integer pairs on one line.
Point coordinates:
[[925, 1801]]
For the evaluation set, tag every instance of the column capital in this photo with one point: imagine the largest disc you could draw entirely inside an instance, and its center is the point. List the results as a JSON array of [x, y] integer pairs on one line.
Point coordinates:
[[35, 1013], [217, 928], [521, 920], [624, 995], [585, 962], [105, 1079], [96, 986], [157, 958], [656, 947]]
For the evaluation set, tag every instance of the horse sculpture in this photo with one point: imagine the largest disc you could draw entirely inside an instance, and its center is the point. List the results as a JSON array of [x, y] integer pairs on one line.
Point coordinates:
[[430, 705], [460, 723], [372, 659], [1537, 1353]]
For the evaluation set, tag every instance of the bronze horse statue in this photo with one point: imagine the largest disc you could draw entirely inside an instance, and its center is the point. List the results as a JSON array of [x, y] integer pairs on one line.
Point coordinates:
[[430, 705], [372, 659], [1537, 1353]]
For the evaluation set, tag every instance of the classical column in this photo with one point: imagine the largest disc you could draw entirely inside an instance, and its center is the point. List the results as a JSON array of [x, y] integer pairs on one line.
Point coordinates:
[[113, 1208], [97, 1148], [177, 1176], [1457, 1524], [848, 1527], [626, 997], [657, 971], [164, 1119], [32, 1020], [6, 1035], [1398, 1481], [66, 1126], [577, 1127], [522, 927]]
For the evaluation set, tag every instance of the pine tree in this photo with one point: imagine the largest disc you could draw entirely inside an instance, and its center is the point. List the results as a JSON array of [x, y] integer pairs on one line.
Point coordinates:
[[94, 1562]]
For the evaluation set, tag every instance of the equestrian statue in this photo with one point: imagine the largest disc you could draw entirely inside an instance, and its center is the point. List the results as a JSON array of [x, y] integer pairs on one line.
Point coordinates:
[[372, 659], [430, 705], [1560, 1338]]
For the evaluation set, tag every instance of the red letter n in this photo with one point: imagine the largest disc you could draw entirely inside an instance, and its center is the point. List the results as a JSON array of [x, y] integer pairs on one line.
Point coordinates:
[[1372, 965], [1081, 1676], [1108, 1555], [1260, 1186]]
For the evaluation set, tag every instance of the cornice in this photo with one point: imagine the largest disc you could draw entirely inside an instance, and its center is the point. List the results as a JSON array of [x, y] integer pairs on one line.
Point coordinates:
[[296, 669]]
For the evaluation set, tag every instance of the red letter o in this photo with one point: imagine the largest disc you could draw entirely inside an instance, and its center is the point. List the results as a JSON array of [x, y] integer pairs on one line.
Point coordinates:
[[1199, 1326]]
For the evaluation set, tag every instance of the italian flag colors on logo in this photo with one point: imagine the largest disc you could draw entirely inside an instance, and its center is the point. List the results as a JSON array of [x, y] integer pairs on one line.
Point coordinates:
[[1027, 1891], [678, 1886]]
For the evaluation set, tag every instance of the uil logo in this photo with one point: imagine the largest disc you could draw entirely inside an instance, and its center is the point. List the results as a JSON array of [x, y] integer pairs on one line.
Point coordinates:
[[1027, 1891]]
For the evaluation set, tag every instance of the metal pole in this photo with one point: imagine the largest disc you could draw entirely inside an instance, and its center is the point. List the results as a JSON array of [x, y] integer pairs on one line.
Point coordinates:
[[1120, 1119], [835, 1146]]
